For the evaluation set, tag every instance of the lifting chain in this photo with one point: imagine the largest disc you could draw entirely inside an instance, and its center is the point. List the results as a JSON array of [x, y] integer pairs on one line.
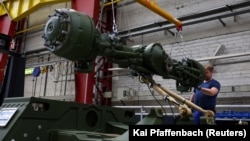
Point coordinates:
[[114, 27]]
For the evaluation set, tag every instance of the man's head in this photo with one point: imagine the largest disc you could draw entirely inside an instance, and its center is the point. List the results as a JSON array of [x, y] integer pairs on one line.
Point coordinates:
[[209, 69]]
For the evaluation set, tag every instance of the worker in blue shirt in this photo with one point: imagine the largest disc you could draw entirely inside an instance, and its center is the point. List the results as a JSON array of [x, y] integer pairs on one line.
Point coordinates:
[[206, 93]]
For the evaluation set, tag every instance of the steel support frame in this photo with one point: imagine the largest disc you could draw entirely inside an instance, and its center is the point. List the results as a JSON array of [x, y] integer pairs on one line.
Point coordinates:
[[103, 81], [7, 27], [12, 64]]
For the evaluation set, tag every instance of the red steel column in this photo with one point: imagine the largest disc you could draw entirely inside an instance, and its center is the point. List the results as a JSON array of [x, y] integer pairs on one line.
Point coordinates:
[[7, 27], [84, 83]]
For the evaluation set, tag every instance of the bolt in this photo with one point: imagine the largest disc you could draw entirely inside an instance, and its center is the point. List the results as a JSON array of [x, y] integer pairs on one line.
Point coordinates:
[[25, 135], [64, 32], [39, 127], [50, 27]]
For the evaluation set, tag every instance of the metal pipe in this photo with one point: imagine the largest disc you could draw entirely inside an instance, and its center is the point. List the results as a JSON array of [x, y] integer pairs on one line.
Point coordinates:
[[45, 64], [155, 8], [46, 78], [146, 31], [110, 3], [29, 29], [187, 17], [224, 56], [156, 106], [125, 4]]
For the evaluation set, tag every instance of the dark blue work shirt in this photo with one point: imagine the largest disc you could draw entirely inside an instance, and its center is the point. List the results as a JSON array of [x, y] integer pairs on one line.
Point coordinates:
[[204, 101]]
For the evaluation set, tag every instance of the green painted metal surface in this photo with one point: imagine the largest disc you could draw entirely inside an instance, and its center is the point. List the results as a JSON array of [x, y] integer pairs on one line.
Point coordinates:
[[72, 35], [35, 117], [155, 117]]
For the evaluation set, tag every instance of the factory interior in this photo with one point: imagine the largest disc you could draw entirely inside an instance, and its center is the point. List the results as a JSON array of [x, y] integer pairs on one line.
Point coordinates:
[[87, 69]]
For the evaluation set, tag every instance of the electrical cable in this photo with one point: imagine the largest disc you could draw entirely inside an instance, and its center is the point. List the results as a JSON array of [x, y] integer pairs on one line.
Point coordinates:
[[41, 82], [46, 78], [170, 106], [165, 97], [35, 81], [66, 79], [98, 24]]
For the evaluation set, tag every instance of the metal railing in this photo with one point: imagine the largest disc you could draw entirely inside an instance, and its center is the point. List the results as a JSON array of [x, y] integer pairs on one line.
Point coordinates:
[[142, 110]]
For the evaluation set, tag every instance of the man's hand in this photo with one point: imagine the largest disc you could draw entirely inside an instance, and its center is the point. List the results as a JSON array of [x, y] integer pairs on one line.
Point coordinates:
[[199, 88]]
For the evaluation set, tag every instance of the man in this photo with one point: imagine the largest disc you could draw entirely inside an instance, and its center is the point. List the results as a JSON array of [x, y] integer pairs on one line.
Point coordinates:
[[205, 94]]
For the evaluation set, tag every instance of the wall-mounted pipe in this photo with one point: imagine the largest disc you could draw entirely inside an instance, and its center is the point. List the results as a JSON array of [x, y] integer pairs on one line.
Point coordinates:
[[224, 56], [112, 2], [158, 25], [31, 28], [185, 23]]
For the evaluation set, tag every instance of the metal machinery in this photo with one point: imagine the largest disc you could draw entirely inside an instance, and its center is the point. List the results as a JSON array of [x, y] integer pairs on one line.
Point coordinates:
[[36, 119], [72, 35]]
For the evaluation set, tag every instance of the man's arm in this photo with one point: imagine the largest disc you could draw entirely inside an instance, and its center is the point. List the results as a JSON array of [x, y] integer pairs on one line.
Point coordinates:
[[192, 98], [210, 92]]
